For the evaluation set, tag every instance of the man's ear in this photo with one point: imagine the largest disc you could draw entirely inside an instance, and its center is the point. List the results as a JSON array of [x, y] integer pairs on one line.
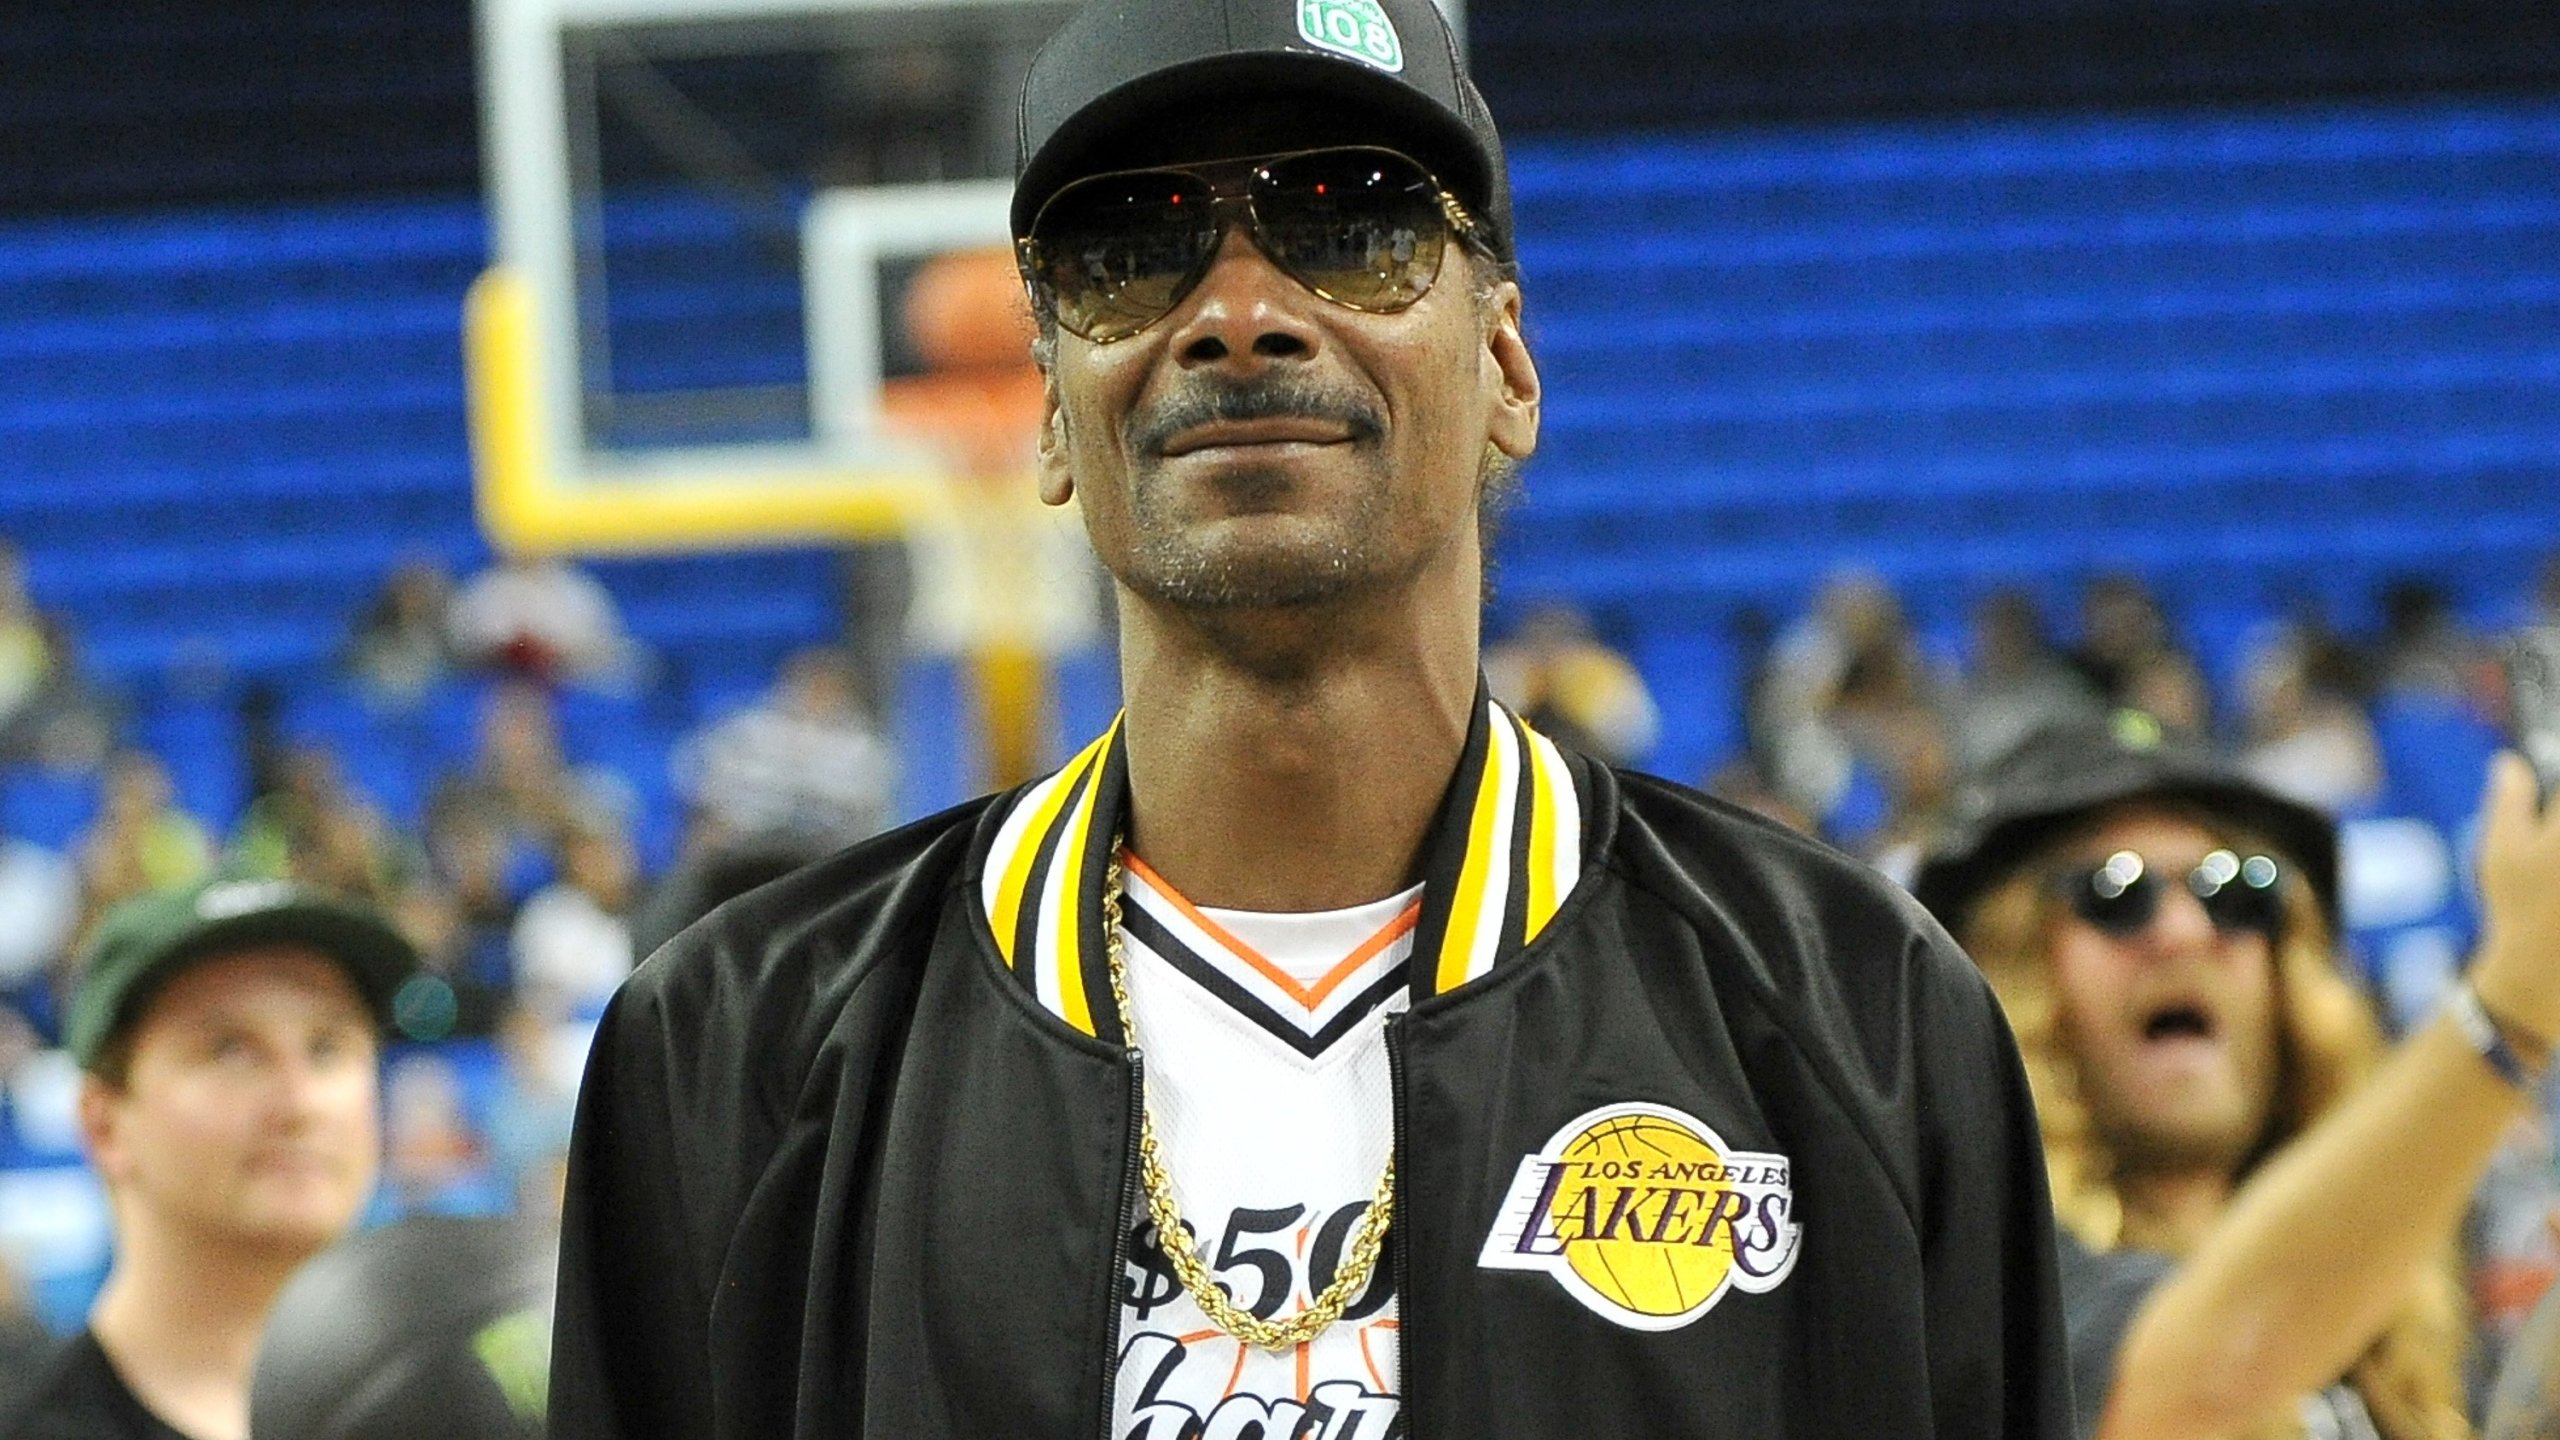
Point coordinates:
[[1509, 366], [1057, 476], [100, 1134]]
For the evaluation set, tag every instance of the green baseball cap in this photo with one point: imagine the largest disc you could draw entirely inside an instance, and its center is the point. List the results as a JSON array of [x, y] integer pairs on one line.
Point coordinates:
[[144, 941]]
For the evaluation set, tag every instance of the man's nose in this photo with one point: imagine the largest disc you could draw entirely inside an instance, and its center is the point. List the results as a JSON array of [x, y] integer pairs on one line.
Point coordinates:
[[1245, 312], [293, 1090], [304, 1084], [2180, 919]]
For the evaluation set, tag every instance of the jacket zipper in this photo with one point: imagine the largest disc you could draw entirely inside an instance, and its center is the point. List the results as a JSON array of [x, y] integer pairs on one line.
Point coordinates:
[[1120, 1225], [1402, 1231]]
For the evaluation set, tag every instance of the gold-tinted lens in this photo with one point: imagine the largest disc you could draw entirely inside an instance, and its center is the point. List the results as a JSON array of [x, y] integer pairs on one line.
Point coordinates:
[[1117, 252], [1361, 227]]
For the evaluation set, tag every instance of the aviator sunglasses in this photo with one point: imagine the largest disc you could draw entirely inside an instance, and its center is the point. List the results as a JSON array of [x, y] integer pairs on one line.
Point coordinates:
[[1360, 226], [2121, 894]]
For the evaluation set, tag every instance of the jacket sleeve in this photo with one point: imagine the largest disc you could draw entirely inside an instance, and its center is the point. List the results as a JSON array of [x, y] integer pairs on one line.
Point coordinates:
[[1996, 1354], [631, 1341]]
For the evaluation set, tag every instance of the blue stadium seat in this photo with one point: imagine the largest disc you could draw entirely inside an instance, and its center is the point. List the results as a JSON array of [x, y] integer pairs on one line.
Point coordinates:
[[199, 738], [49, 807], [937, 740], [2435, 757], [1088, 693]]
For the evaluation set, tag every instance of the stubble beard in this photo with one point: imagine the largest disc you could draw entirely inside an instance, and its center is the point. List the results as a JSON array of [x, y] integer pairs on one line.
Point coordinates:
[[1316, 560], [1173, 564]]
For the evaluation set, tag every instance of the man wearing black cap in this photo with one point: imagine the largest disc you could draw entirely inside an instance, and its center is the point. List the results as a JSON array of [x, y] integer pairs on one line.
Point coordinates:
[[2255, 1229], [1485, 1092], [229, 1032]]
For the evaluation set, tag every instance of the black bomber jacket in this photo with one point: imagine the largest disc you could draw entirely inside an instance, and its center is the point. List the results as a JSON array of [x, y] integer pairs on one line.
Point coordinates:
[[839, 1172]]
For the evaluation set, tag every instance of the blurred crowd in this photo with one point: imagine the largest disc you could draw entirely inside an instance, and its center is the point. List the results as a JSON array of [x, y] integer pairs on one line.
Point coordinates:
[[530, 883], [521, 873], [1863, 731], [429, 776], [1865, 728]]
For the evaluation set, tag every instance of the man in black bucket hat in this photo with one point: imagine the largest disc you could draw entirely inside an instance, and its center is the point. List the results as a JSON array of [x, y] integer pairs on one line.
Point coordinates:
[[2255, 1216], [2056, 777], [1322, 1052], [230, 1034]]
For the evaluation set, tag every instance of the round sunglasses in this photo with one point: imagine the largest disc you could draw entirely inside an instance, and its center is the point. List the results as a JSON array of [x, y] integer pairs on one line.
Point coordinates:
[[1361, 226], [2120, 895]]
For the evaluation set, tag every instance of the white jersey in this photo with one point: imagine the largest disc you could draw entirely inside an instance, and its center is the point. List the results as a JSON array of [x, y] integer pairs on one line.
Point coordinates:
[[1264, 1039]]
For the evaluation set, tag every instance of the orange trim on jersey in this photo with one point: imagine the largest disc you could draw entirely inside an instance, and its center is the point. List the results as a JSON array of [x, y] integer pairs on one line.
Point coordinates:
[[1375, 1374], [1306, 1363], [1235, 1377], [1309, 997]]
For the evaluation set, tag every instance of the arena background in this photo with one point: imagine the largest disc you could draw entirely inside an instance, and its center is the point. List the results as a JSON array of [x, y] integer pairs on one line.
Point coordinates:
[[2255, 303]]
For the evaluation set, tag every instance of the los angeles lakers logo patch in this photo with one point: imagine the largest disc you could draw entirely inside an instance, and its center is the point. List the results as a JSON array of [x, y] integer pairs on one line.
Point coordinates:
[[1647, 1217]]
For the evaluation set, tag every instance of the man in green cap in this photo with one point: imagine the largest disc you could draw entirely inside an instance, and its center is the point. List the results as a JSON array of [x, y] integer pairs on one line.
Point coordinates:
[[231, 1035]]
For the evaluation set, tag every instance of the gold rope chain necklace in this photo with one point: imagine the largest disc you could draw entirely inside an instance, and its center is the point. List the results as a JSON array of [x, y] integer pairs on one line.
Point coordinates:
[[1174, 1238]]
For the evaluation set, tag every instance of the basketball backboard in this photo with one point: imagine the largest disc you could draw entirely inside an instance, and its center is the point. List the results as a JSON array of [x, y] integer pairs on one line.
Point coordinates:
[[700, 211]]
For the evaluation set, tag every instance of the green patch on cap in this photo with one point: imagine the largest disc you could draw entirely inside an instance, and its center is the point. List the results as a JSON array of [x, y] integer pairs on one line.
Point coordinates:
[[1353, 29], [516, 1351]]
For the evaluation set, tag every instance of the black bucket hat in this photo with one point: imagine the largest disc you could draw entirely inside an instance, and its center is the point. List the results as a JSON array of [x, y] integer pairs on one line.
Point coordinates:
[[2060, 775], [1117, 65]]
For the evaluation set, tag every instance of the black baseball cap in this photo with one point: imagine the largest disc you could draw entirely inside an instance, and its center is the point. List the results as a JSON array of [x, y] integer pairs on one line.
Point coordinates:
[[140, 944], [1121, 68], [2061, 775]]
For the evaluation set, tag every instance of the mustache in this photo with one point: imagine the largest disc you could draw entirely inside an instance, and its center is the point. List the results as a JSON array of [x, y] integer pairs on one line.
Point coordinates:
[[1210, 402]]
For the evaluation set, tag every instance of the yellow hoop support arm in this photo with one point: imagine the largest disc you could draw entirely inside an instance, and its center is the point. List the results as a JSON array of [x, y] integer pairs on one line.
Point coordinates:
[[704, 501]]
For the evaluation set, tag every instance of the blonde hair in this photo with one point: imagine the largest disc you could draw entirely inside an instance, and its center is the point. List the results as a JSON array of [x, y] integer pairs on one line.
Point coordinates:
[[2327, 1043]]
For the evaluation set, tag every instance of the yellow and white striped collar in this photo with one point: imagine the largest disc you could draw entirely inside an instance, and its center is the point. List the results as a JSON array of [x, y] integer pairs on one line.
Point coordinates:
[[1502, 856]]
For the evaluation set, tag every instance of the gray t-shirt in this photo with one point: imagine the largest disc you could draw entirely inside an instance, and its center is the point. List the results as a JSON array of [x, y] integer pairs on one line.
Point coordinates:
[[2101, 1293]]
